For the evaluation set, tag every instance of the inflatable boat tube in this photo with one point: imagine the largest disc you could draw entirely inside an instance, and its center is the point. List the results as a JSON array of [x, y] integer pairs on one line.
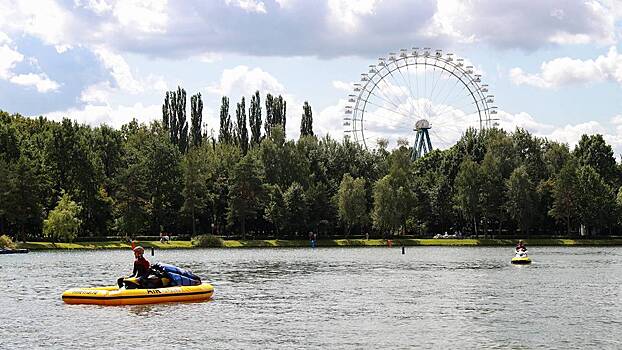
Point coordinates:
[[521, 260], [114, 296]]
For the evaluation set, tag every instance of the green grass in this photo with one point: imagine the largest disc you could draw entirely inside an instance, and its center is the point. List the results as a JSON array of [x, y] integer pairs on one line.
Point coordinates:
[[276, 243], [103, 245]]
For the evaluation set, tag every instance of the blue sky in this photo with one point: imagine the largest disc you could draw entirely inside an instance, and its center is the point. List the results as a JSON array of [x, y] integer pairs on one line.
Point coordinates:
[[555, 67]]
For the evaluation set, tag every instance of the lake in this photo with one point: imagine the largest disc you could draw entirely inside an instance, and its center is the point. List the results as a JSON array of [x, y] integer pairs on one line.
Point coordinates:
[[332, 298]]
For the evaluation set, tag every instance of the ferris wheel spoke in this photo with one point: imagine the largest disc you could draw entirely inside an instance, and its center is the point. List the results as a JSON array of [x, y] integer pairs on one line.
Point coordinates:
[[389, 109], [454, 102], [440, 76], [456, 81], [397, 107], [407, 81], [396, 83], [389, 89]]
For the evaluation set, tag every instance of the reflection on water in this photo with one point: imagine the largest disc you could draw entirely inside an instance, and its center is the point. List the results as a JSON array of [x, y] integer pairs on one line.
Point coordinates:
[[327, 298]]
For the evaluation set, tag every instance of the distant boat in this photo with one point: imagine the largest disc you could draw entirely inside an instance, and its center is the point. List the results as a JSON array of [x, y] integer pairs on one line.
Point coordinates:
[[13, 251]]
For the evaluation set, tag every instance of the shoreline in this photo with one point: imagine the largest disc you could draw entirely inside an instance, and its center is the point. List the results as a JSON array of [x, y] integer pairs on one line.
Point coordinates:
[[277, 243]]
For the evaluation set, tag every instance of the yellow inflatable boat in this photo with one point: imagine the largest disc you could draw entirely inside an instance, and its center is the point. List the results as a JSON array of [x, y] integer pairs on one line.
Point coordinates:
[[114, 296], [521, 258]]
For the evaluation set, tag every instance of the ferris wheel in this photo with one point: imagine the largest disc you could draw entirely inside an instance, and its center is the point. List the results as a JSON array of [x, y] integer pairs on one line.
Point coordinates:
[[420, 96]]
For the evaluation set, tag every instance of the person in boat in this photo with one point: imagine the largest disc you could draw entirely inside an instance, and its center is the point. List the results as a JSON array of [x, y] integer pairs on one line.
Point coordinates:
[[141, 266], [520, 246]]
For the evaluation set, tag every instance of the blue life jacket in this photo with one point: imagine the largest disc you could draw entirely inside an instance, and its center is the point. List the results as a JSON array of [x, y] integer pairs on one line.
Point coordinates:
[[180, 277]]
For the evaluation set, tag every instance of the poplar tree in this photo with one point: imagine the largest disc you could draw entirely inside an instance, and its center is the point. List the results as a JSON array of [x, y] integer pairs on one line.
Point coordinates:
[[306, 123], [196, 117], [254, 119], [241, 135], [226, 132]]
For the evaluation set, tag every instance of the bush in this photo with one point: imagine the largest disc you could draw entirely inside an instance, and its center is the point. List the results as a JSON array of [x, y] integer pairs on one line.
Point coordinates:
[[208, 241], [6, 242]]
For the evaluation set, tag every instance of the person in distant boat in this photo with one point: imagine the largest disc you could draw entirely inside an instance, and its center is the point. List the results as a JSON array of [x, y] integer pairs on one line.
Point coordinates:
[[520, 246], [141, 266]]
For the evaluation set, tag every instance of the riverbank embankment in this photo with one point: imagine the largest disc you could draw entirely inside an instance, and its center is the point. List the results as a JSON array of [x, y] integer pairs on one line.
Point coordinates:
[[277, 243]]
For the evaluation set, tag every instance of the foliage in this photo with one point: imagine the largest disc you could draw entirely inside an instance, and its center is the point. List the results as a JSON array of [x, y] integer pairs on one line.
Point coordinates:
[[143, 179], [352, 202], [63, 223], [306, 122], [6, 242], [207, 241]]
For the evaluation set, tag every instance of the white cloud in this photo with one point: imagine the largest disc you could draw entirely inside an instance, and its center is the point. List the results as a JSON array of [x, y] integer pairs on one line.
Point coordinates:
[[342, 85], [249, 5], [44, 19], [8, 58], [566, 71], [242, 80], [348, 13], [114, 116], [119, 69], [148, 16], [40, 81], [526, 24], [97, 93], [122, 73]]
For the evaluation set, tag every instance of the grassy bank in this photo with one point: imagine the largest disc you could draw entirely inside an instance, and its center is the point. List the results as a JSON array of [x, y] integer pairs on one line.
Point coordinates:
[[330, 243]]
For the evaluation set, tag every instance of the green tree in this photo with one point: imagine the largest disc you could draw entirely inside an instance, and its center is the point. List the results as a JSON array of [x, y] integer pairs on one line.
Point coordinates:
[[226, 128], [494, 191], [296, 210], [196, 119], [63, 223], [254, 118], [276, 108], [306, 123], [241, 134], [24, 203], [352, 202], [592, 150], [565, 195], [521, 198], [195, 189], [596, 201], [386, 210], [245, 191], [275, 209], [467, 192]]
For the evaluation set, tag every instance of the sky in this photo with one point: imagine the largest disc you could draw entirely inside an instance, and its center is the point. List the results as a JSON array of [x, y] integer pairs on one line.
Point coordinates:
[[554, 67]]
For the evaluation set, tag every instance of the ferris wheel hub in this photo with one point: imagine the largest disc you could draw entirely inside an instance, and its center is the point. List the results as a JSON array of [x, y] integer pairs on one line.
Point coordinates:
[[422, 124]]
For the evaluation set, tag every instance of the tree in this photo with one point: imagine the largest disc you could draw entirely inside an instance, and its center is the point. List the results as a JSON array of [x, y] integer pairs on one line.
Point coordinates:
[[275, 208], [521, 198], [385, 214], [63, 223], [276, 109], [592, 150], [245, 190], [565, 195], [352, 202], [196, 118], [241, 135], [24, 202], [494, 190], [596, 201], [306, 123], [226, 129], [174, 118], [467, 191], [194, 190], [254, 119], [296, 210]]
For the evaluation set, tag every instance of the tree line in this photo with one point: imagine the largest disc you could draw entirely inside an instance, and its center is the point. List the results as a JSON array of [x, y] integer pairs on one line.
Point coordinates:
[[61, 180]]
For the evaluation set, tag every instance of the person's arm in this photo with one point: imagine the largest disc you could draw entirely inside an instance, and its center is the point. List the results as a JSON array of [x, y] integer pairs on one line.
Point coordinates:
[[135, 271]]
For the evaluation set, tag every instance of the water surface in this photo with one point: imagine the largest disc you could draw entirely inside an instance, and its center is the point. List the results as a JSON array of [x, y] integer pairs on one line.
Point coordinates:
[[350, 298]]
